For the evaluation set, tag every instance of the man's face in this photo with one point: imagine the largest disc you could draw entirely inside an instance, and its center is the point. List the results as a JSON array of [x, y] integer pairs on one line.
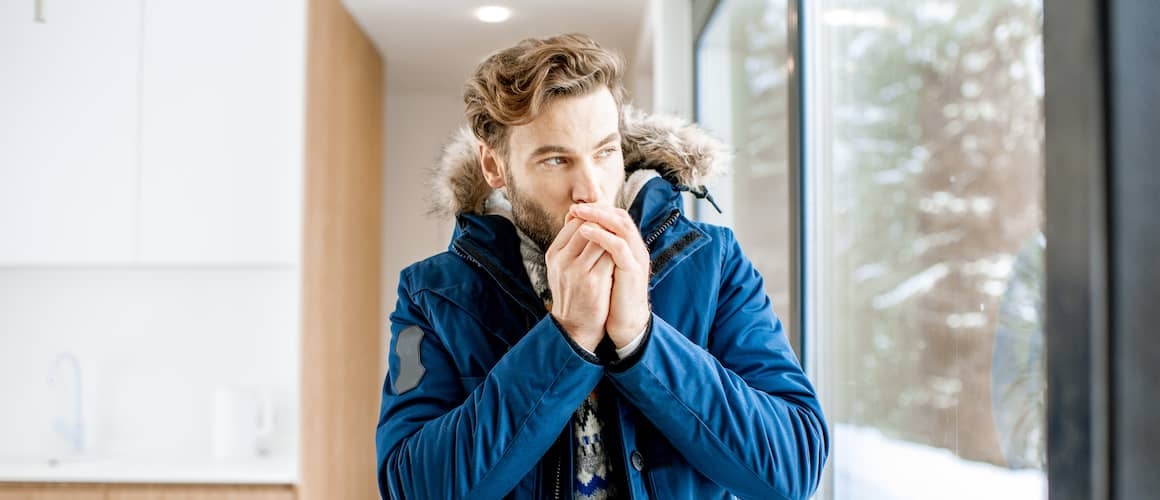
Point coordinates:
[[569, 154]]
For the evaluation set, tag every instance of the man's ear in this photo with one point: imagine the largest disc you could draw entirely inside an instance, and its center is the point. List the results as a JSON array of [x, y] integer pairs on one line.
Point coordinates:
[[492, 167]]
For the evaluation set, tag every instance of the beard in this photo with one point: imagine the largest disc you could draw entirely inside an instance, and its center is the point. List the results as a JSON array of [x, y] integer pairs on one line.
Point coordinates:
[[532, 218]]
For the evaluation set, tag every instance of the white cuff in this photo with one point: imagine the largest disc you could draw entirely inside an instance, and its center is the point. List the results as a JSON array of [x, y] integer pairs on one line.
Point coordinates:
[[630, 347]]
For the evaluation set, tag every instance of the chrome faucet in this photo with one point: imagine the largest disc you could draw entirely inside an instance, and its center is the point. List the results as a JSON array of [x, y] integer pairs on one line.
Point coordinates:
[[74, 433]]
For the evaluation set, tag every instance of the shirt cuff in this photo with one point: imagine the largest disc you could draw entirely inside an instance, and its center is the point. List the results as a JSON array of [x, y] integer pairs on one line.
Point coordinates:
[[631, 347]]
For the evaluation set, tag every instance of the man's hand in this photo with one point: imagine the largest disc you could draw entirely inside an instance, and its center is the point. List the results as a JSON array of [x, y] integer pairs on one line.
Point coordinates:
[[580, 277], [614, 231]]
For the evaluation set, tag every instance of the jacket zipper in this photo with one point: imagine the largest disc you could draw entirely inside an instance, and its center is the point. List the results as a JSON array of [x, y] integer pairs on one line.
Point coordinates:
[[556, 452], [504, 283], [559, 471], [657, 232]]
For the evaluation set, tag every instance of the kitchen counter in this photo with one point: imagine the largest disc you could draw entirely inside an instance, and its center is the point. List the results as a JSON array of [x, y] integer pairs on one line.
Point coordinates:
[[108, 470]]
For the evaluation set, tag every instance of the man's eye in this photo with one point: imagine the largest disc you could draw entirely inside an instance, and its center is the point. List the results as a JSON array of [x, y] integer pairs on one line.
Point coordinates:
[[605, 153], [555, 160]]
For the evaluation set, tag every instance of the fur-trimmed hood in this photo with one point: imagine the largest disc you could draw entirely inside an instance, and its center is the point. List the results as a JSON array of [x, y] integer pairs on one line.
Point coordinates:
[[682, 153]]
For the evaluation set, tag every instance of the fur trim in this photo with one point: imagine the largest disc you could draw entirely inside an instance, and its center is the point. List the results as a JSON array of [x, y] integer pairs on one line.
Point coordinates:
[[682, 153], [457, 179]]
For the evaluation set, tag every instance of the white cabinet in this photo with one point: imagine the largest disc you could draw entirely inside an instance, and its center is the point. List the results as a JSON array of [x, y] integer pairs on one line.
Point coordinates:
[[222, 128], [151, 132], [68, 131]]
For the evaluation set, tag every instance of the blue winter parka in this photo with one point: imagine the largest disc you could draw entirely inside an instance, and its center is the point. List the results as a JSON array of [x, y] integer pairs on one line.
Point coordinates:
[[483, 383]]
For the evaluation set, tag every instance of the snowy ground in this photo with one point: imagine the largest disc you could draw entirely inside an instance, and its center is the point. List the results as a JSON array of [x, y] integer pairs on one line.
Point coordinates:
[[871, 466]]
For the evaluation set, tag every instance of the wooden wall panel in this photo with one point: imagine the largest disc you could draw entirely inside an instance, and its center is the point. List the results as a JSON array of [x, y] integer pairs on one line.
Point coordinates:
[[341, 321]]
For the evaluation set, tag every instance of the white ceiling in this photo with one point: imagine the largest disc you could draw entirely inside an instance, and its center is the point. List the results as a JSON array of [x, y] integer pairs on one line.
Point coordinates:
[[435, 44]]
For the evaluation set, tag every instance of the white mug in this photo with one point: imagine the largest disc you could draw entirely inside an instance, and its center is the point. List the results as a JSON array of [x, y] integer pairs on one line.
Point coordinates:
[[243, 423]]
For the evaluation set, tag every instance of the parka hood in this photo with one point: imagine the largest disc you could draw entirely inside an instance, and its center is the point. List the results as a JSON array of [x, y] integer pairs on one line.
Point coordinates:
[[682, 153]]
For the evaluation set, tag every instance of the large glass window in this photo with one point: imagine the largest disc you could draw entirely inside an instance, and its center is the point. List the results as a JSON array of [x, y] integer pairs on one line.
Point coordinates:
[[923, 162], [925, 173], [742, 97]]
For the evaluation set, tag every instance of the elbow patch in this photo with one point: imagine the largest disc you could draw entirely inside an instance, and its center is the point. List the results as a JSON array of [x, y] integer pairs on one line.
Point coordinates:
[[411, 367]]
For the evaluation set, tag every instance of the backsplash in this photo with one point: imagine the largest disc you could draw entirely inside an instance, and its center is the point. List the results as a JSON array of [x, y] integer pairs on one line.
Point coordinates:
[[154, 345]]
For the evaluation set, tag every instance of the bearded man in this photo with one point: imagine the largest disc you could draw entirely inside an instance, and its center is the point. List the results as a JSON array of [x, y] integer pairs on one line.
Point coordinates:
[[581, 337]]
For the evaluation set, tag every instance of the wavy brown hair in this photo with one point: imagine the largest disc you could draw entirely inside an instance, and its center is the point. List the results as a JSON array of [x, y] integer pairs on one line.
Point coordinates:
[[513, 85]]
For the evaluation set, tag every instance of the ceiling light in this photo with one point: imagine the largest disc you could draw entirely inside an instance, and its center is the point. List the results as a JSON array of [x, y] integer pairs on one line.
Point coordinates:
[[493, 14]]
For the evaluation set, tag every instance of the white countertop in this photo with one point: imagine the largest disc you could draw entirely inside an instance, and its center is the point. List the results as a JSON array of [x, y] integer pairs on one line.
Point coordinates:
[[107, 470]]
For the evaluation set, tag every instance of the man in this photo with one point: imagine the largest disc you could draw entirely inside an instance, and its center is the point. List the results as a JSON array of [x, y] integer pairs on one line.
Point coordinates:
[[580, 337]]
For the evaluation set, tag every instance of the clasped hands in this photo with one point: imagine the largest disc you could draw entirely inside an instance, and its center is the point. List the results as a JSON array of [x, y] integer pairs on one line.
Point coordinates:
[[598, 270]]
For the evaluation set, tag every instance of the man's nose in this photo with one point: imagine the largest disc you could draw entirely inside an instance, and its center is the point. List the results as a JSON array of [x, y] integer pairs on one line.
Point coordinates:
[[586, 185]]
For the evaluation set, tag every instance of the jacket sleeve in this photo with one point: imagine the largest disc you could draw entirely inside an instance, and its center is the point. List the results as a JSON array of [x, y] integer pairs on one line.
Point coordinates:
[[741, 411], [433, 441]]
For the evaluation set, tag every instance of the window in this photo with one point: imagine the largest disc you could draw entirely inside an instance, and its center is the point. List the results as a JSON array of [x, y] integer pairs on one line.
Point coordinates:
[[742, 97], [922, 131]]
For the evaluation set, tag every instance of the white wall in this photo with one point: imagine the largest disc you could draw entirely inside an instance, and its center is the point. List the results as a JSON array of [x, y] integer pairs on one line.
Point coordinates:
[[417, 126], [671, 25], [639, 75], [669, 49]]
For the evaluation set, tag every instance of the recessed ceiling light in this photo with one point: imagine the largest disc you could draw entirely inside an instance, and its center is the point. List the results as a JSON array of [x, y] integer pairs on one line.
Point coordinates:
[[493, 14]]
